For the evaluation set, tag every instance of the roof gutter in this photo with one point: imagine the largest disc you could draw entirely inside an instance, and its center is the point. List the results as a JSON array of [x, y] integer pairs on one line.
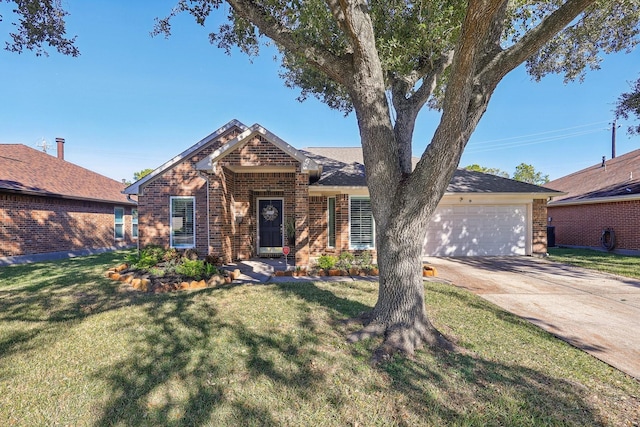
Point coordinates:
[[610, 199], [65, 197]]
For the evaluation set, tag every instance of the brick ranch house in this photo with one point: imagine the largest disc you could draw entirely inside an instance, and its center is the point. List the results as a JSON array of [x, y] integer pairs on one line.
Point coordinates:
[[237, 192], [51, 207], [603, 199]]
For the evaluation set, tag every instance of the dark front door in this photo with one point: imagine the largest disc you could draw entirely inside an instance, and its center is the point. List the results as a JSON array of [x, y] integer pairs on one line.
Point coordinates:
[[269, 227]]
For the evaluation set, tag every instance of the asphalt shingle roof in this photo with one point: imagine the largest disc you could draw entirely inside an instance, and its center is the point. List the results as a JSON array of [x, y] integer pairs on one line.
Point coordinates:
[[342, 166], [26, 170], [618, 177]]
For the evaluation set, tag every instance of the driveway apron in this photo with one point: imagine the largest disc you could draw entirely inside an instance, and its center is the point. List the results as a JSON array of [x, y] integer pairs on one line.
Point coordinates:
[[596, 312]]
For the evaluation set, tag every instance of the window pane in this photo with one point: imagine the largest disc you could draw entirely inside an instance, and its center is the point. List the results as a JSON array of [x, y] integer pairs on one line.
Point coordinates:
[[361, 224], [332, 222], [119, 231], [134, 223], [182, 227], [118, 223]]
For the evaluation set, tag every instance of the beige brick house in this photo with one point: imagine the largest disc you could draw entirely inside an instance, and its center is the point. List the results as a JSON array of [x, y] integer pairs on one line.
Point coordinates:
[[242, 192]]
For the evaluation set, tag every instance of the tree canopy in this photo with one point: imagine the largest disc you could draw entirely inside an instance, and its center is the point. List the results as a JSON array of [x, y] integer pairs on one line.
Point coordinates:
[[40, 23], [527, 173], [493, 171], [628, 105], [524, 172], [141, 174]]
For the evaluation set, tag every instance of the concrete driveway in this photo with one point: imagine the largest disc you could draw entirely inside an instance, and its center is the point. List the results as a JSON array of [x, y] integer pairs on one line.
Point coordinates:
[[596, 312]]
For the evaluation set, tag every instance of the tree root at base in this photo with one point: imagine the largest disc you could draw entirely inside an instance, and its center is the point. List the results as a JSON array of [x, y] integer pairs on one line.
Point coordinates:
[[399, 338]]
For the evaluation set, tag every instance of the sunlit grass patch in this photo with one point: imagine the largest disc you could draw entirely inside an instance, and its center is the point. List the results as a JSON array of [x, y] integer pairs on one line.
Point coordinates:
[[81, 350], [607, 262]]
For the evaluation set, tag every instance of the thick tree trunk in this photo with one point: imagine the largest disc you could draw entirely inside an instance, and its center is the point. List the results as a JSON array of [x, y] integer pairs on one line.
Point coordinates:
[[400, 316]]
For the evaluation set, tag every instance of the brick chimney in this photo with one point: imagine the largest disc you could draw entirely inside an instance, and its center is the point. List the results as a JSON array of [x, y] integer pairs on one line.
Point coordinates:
[[60, 142]]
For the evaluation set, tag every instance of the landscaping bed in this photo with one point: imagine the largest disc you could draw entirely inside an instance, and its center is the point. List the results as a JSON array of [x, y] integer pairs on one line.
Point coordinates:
[[157, 270]]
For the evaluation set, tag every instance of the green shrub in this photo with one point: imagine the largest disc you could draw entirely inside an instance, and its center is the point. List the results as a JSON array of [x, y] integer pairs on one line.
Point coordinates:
[[193, 268], [210, 269], [171, 254], [364, 260], [346, 260], [147, 257], [327, 262], [157, 272]]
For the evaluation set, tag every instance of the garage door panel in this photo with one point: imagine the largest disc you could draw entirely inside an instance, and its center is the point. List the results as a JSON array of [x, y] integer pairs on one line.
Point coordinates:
[[477, 230]]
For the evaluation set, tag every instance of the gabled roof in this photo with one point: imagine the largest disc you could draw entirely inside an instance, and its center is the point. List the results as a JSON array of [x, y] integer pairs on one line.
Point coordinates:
[[307, 164], [135, 187], [618, 178], [207, 163], [342, 167], [28, 171]]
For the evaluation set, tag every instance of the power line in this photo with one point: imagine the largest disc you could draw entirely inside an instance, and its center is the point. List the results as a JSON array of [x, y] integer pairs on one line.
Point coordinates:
[[473, 148], [539, 133]]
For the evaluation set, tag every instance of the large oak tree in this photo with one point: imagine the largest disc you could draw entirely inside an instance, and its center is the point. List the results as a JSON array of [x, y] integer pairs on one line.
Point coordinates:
[[386, 60]]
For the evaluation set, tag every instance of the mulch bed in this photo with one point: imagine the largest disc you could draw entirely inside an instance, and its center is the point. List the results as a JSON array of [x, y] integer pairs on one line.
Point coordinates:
[[170, 282]]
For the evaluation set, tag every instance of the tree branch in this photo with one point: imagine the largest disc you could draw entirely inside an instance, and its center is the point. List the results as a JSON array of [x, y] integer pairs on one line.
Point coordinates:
[[408, 107], [337, 68], [510, 58]]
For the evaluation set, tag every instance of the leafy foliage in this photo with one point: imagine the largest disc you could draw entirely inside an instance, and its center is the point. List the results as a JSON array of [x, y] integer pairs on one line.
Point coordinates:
[[345, 261], [147, 258], [527, 173], [40, 23], [327, 262], [141, 174], [629, 105], [493, 171], [195, 268]]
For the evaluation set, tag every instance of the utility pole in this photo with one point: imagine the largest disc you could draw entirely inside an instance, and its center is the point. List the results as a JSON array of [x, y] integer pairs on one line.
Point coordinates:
[[613, 139]]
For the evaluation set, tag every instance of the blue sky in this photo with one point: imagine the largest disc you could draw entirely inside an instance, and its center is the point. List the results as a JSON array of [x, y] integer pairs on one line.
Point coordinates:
[[131, 101]]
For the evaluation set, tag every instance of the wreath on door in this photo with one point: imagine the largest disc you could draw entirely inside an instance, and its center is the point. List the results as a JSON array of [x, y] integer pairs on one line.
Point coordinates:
[[269, 212]]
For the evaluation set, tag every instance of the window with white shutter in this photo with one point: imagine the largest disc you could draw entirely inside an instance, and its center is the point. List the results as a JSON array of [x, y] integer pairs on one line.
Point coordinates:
[[183, 222], [361, 227]]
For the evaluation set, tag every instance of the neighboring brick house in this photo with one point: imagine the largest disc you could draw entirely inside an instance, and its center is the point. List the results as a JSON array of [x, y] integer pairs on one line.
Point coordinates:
[[50, 206], [602, 200], [237, 192]]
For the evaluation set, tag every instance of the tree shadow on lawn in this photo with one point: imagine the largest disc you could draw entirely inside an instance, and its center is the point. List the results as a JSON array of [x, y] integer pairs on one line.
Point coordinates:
[[196, 365], [49, 293], [447, 387], [188, 365]]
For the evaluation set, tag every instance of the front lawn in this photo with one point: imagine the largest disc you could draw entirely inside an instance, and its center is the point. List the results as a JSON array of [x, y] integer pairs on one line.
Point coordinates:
[[79, 349], [622, 265]]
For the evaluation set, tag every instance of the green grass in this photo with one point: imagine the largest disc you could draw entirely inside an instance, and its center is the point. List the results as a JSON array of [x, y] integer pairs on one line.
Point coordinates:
[[78, 349], [622, 265]]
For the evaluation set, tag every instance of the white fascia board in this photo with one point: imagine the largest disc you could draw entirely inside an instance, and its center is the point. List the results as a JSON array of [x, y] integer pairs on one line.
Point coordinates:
[[136, 186], [611, 199], [489, 195]]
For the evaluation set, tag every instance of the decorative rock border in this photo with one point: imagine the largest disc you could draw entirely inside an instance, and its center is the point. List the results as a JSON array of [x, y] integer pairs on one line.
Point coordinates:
[[145, 283]]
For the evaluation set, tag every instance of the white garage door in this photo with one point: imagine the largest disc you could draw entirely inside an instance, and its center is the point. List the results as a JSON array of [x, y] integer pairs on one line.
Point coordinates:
[[477, 230]]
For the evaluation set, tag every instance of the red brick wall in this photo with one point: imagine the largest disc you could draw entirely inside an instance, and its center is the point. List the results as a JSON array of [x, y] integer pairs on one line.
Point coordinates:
[[154, 205], [582, 225], [318, 232], [230, 194], [539, 229], [35, 225]]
